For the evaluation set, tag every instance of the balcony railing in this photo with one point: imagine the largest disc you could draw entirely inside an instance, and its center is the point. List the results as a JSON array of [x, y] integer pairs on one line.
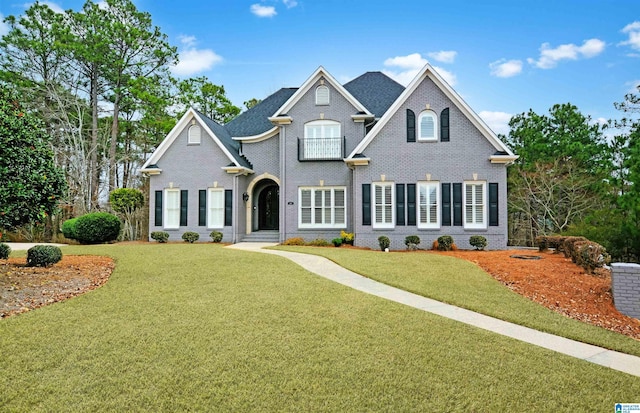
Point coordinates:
[[321, 149]]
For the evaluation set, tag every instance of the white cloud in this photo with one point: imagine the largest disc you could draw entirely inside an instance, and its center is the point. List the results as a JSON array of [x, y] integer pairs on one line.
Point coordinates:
[[4, 27], [549, 57], [633, 30], [409, 66], [506, 68], [192, 60], [263, 11], [634, 86], [497, 121], [290, 3], [444, 56]]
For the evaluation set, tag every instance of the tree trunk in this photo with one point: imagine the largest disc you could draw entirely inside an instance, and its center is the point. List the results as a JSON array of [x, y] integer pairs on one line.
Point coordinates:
[[95, 171]]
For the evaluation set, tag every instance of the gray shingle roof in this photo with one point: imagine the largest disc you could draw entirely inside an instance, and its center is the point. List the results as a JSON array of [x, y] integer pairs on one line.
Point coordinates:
[[256, 120], [375, 90], [225, 138]]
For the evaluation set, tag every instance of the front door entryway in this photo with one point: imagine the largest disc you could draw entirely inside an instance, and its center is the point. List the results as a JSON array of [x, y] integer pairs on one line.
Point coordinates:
[[268, 208]]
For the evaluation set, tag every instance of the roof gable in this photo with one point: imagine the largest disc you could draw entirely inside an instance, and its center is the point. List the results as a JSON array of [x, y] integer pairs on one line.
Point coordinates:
[[429, 72]]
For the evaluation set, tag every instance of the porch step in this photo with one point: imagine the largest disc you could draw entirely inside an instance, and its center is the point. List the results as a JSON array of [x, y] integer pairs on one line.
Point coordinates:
[[262, 236]]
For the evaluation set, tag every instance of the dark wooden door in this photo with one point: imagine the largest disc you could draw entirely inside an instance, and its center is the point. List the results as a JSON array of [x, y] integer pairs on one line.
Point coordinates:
[[268, 201]]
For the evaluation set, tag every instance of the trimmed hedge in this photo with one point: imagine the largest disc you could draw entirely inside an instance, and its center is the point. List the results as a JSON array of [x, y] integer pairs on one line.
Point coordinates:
[[216, 236], [5, 250], [190, 237], [445, 243], [97, 227], [478, 241], [69, 228], [43, 255], [160, 236], [587, 254], [384, 242], [412, 242]]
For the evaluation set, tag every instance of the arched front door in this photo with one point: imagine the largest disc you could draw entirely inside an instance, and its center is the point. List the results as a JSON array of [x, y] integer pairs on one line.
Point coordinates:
[[268, 208]]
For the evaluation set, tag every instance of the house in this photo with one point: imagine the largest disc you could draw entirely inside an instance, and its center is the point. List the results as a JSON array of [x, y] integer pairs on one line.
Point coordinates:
[[369, 157]]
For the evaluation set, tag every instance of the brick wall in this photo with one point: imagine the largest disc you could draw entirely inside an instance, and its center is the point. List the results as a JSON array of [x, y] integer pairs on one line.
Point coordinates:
[[625, 286]]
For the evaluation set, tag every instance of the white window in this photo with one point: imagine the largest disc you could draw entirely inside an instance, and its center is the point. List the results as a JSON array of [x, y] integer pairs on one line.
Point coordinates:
[[428, 205], [475, 211], [383, 196], [195, 134], [172, 209], [322, 207], [428, 126], [322, 140], [322, 95], [215, 208]]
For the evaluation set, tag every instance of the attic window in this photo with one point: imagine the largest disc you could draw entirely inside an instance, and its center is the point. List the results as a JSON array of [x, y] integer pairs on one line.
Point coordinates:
[[322, 95], [428, 125], [194, 135]]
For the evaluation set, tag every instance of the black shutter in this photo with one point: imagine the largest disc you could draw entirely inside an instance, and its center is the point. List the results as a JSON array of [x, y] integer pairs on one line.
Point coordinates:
[[411, 126], [446, 205], [457, 204], [228, 207], [184, 207], [399, 204], [411, 204], [202, 208], [493, 204], [444, 125], [366, 204], [158, 212]]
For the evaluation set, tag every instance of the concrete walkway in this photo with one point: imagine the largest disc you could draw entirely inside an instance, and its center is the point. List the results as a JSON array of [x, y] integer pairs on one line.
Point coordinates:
[[330, 270]]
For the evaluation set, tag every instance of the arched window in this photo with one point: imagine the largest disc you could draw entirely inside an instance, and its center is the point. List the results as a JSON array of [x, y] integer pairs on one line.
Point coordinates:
[[428, 126], [322, 95], [322, 140], [194, 135]]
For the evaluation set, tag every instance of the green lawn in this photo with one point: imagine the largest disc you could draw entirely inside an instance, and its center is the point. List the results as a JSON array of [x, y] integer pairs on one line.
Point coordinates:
[[466, 285], [183, 327]]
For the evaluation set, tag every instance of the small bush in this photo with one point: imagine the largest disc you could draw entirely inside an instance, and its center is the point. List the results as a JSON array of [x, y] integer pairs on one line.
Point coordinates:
[[97, 227], [190, 237], [319, 242], [347, 237], [337, 242], [160, 236], [294, 241], [445, 243], [412, 242], [43, 255], [384, 242], [5, 250], [478, 241], [216, 236], [69, 228]]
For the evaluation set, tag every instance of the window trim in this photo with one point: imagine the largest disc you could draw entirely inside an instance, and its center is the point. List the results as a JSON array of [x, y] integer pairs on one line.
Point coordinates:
[[324, 124], [167, 223], [438, 205], [191, 136], [474, 225], [436, 126], [323, 102], [374, 204], [211, 223], [320, 189]]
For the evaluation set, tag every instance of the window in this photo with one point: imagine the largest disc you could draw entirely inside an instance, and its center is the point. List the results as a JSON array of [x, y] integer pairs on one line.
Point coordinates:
[[322, 207], [428, 125], [322, 95], [475, 205], [194, 135], [322, 140], [172, 209], [428, 205], [383, 194], [215, 208]]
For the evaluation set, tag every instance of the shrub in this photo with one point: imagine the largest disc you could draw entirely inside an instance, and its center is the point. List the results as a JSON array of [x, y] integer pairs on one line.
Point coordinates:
[[160, 236], [5, 250], [190, 237], [445, 243], [294, 241], [319, 242], [478, 241], [337, 242], [568, 246], [97, 227], [591, 255], [347, 237], [384, 242], [216, 236], [69, 228], [412, 242], [43, 255]]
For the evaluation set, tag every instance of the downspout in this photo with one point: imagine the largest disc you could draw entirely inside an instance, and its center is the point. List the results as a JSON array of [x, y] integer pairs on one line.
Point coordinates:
[[234, 212]]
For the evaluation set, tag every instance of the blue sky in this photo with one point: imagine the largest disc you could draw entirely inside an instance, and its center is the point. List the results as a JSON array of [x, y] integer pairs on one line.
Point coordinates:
[[502, 57]]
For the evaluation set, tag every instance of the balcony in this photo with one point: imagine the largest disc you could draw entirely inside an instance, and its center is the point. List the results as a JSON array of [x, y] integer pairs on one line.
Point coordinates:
[[321, 149]]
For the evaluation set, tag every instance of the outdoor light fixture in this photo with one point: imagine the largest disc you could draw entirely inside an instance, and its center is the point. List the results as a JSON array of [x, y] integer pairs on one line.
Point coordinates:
[[245, 197]]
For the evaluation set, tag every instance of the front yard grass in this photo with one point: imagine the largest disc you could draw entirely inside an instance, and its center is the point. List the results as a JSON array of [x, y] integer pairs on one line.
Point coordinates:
[[182, 327], [461, 283]]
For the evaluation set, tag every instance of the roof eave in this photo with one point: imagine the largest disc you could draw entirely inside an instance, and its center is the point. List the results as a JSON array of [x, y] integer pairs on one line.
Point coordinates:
[[503, 159], [281, 120], [357, 161], [237, 170], [257, 138]]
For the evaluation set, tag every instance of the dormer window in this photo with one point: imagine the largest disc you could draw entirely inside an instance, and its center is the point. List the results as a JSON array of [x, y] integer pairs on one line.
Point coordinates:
[[195, 134], [428, 126], [322, 95]]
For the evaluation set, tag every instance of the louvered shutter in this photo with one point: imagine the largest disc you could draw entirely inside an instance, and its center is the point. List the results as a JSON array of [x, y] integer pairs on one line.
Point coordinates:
[[457, 204], [202, 208], [400, 204], [411, 204], [444, 125], [493, 204], [228, 207], [411, 126], [184, 207], [158, 209], [446, 204], [366, 204]]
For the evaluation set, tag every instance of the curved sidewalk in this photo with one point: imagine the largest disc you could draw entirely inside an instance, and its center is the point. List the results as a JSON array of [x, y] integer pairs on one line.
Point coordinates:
[[330, 270]]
